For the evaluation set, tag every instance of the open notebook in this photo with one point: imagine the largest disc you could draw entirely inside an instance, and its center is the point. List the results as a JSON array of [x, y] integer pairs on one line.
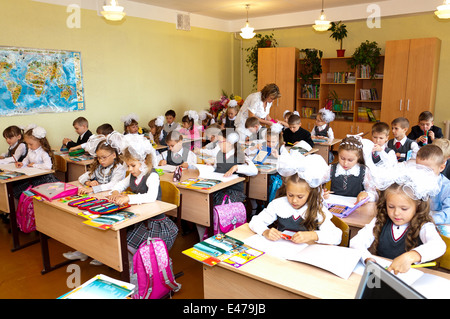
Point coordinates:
[[207, 172], [343, 206]]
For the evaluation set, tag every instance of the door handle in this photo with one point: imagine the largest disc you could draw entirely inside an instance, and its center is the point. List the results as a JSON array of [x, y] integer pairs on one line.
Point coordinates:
[[401, 102], [407, 106]]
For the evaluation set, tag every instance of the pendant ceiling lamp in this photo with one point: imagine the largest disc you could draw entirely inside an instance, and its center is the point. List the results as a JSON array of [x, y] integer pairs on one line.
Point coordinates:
[[247, 32], [113, 11], [443, 11], [322, 24]]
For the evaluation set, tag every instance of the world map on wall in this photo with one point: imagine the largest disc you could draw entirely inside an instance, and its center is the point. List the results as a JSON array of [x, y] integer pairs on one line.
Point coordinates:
[[38, 81]]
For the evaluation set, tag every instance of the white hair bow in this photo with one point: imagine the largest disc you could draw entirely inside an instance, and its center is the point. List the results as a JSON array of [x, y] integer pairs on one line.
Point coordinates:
[[327, 115], [193, 115], [159, 121], [232, 103], [128, 118], [312, 168]]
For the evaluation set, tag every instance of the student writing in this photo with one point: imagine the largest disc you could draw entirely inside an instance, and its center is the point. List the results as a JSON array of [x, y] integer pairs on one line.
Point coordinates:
[[17, 149]]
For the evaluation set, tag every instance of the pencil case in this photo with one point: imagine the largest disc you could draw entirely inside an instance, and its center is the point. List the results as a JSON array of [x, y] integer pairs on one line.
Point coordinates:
[[91, 203], [77, 202], [76, 153], [106, 208]]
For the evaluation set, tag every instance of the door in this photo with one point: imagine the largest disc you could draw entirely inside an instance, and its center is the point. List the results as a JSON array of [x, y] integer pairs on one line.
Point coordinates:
[[394, 80]]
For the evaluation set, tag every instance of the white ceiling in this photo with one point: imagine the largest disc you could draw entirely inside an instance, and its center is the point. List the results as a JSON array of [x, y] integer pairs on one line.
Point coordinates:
[[235, 9]]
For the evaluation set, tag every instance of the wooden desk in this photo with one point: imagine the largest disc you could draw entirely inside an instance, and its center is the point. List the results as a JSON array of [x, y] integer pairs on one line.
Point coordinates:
[[259, 184], [324, 148], [60, 221], [269, 277], [197, 206], [360, 217], [7, 203], [77, 168]]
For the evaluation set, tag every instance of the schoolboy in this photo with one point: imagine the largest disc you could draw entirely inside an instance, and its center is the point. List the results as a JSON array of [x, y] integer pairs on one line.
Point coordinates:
[[381, 154], [170, 125], [444, 144], [403, 147], [81, 126], [296, 133], [426, 132], [433, 157]]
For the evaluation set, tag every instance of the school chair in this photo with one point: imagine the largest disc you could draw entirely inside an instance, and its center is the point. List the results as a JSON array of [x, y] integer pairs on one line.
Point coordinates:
[[339, 223], [171, 194], [61, 166], [444, 260]]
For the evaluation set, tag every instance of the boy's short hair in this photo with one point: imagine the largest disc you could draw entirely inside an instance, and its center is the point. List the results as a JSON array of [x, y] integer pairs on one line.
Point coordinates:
[[104, 129], [381, 127], [251, 122], [82, 121], [170, 113], [174, 136], [294, 119], [402, 121], [426, 116], [213, 129], [431, 152], [444, 144]]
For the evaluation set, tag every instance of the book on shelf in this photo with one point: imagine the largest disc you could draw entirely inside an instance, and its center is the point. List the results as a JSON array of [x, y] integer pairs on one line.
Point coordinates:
[[341, 77], [310, 91], [365, 71], [307, 112]]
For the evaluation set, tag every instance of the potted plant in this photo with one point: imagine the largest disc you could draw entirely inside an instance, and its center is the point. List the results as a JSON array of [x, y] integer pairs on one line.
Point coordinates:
[[263, 41], [338, 32], [311, 63], [334, 103], [367, 54]]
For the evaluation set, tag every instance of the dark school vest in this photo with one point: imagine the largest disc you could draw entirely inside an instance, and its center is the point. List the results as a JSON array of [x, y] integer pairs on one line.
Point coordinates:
[[223, 165], [347, 185], [402, 150], [175, 159], [12, 151], [376, 157], [324, 132], [387, 246], [142, 188], [229, 123], [291, 223]]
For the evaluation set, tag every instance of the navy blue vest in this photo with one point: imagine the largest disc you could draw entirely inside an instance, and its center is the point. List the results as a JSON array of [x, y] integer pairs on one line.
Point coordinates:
[[347, 185], [402, 150], [175, 159], [387, 246], [142, 188]]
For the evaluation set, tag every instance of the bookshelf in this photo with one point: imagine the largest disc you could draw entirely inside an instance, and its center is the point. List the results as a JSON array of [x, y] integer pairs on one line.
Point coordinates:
[[350, 93]]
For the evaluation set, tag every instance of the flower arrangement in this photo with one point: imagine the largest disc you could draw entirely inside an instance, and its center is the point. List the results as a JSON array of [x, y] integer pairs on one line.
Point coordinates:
[[218, 108]]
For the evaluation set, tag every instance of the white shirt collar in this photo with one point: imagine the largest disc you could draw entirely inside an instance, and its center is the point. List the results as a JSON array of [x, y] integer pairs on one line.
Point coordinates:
[[352, 171], [402, 141], [15, 144]]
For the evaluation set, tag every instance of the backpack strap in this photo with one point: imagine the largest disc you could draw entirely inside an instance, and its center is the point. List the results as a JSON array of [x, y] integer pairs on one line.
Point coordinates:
[[144, 252], [162, 257]]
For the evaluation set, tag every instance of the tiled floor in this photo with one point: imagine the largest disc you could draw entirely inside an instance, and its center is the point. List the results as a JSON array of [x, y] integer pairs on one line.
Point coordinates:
[[21, 278]]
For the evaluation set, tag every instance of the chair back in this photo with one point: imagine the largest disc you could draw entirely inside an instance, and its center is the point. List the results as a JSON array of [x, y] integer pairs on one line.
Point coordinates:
[[444, 260], [339, 223], [170, 193]]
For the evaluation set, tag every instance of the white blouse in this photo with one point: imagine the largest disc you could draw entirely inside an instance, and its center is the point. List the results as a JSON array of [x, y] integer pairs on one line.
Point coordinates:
[[328, 233], [20, 151], [39, 158], [253, 104], [191, 158], [433, 246], [118, 174], [149, 197]]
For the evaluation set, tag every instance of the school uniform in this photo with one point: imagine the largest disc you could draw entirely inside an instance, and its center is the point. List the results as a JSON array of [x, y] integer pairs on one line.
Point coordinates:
[[184, 155], [229, 123], [403, 146], [167, 128], [289, 218], [392, 239], [223, 163], [417, 132], [18, 150], [352, 181], [385, 157], [147, 189], [107, 177], [440, 203], [323, 131], [301, 135], [83, 138]]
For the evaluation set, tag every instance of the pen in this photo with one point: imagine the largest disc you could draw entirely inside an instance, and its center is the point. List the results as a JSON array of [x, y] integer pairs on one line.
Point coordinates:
[[430, 264]]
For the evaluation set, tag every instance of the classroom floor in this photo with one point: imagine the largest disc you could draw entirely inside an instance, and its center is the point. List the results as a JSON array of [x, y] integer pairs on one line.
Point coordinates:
[[21, 278]]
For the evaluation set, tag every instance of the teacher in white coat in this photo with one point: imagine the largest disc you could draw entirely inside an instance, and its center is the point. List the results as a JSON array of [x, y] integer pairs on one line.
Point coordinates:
[[257, 104]]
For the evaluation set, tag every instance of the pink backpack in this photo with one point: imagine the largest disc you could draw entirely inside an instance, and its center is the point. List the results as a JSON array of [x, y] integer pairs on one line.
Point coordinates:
[[152, 270], [25, 212], [228, 216]]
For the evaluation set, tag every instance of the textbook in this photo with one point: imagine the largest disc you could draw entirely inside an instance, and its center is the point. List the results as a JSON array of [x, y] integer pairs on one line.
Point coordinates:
[[9, 174], [207, 172], [101, 287], [201, 256], [338, 260], [105, 222], [343, 206], [261, 156]]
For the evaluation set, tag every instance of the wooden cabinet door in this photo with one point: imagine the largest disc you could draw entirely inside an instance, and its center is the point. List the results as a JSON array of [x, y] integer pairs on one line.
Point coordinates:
[[342, 128], [394, 80], [266, 66], [286, 79], [422, 77]]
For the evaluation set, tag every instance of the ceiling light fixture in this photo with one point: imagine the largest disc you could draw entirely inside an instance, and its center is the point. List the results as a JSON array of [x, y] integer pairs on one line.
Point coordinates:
[[322, 24], [113, 12], [247, 32], [443, 11]]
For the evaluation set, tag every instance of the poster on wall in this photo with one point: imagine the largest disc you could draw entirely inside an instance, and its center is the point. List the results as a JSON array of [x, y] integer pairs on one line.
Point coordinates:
[[38, 81]]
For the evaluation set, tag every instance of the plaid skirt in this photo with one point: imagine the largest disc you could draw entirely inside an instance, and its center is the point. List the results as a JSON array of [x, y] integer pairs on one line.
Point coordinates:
[[163, 228], [33, 182]]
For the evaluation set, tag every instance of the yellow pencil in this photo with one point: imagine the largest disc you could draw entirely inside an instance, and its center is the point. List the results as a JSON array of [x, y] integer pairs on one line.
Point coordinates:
[[430, 264]]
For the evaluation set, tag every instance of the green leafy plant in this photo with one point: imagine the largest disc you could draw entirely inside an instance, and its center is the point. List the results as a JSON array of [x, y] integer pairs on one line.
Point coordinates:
[[368, 53], [338, 32], [263, 41], [336, 103], [311, 64]]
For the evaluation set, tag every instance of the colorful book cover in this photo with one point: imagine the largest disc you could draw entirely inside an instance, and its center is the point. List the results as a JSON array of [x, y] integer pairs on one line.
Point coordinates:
[[105, 222], [244, 255], [201, 256]]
